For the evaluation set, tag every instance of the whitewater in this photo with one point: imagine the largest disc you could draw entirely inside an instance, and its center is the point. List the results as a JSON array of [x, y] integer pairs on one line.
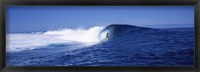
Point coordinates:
[[29, 41]]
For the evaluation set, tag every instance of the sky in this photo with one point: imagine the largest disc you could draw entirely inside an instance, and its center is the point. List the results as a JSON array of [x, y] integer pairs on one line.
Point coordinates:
[[44, 18]]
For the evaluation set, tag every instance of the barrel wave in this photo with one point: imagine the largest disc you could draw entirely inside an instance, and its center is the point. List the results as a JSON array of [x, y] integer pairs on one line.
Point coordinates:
[[120, 45], [116, 30]]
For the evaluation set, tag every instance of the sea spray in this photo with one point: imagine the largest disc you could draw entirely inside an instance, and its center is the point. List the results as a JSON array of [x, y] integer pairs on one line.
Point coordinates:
[[29, 41], [79, 35]]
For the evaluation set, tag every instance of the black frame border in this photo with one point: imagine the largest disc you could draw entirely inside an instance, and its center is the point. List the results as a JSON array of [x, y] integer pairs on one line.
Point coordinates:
[[4, 3]]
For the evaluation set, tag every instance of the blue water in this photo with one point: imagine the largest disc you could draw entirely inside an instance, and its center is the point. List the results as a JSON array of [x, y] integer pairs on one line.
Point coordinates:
[[127, 46]]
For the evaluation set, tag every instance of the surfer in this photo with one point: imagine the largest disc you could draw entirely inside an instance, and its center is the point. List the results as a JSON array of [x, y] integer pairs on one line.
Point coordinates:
[[107, 35]]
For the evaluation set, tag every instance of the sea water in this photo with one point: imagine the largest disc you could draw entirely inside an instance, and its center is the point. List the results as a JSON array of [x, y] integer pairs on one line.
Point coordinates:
[[126, 46]]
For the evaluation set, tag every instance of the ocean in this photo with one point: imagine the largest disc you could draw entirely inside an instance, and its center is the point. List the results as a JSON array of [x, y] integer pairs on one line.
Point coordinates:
[[113, 45]]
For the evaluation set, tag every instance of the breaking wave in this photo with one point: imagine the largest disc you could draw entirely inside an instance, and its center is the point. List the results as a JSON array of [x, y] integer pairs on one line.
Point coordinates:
[[30, 41], [86, 37], [79, 35]]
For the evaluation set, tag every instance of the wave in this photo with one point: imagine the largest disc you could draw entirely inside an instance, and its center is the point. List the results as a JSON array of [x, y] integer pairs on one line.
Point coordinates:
[[30, 41], [90, 36], [79, 35], [115, 30]]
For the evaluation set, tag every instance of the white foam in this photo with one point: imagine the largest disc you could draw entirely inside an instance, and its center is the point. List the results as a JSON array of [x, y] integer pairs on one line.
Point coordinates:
[[20, 41], [79, 35]]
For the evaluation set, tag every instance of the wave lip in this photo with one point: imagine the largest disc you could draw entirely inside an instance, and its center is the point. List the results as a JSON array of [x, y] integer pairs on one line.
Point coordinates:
[[114, 30]]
